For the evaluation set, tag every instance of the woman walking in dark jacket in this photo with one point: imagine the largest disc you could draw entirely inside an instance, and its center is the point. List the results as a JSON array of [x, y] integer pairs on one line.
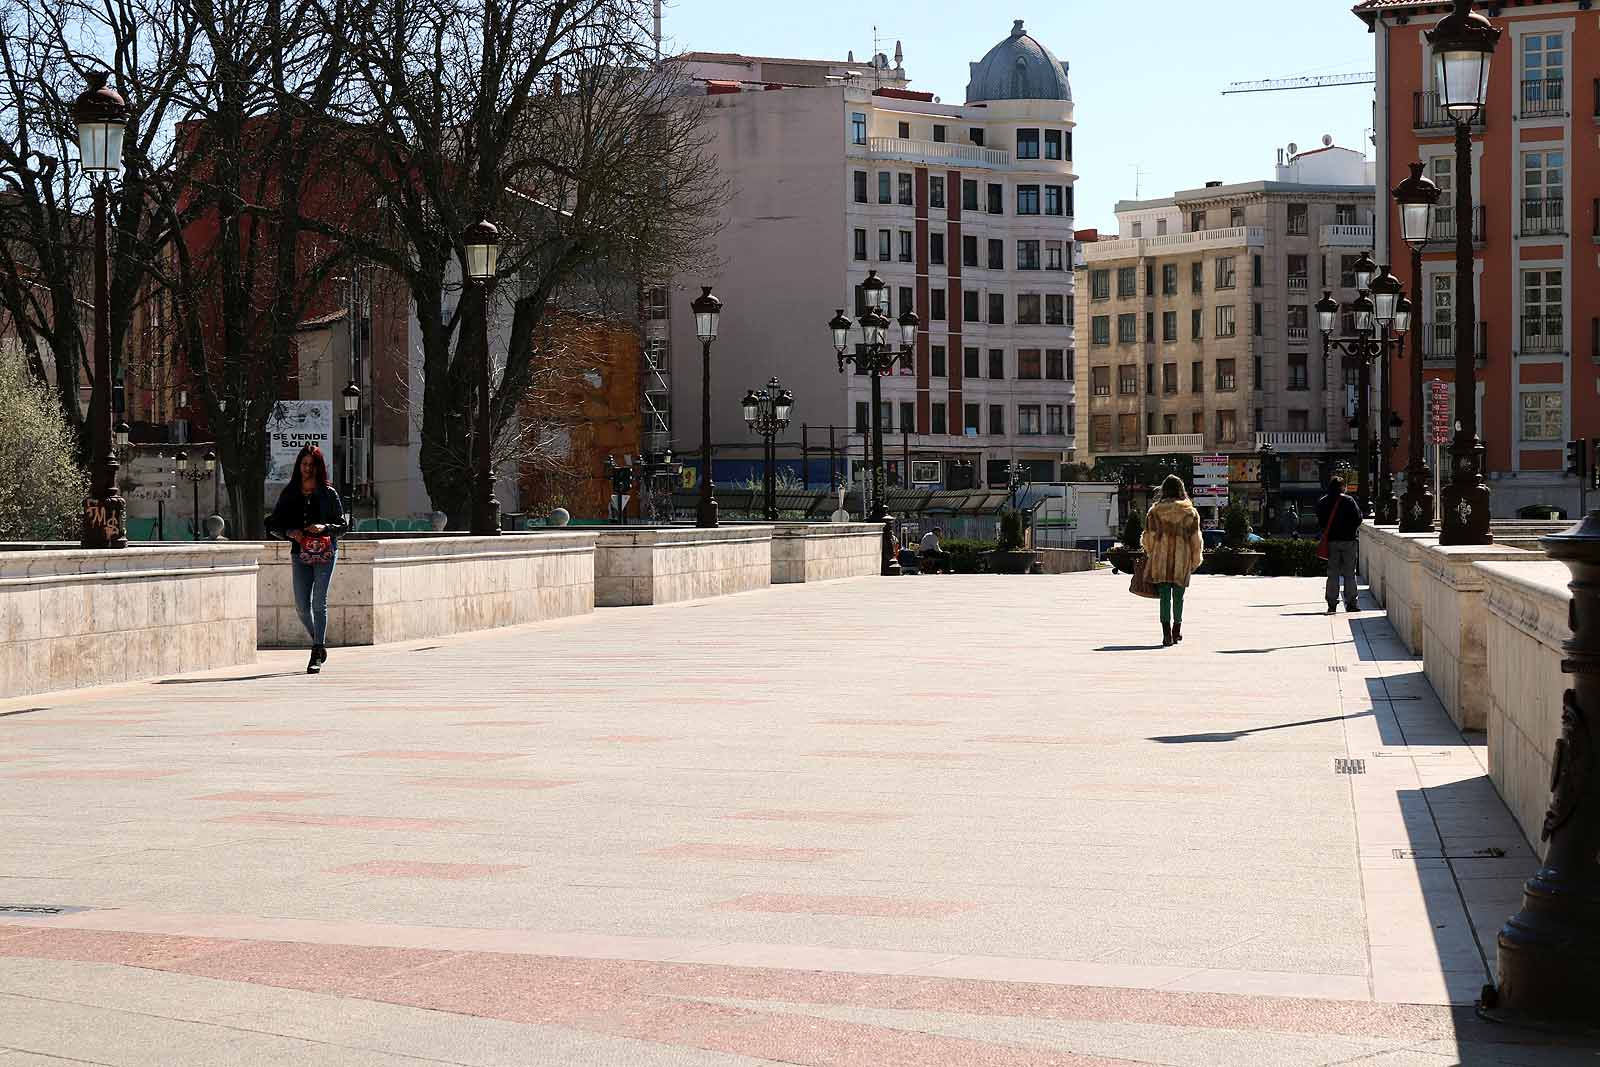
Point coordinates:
[[310, 514]]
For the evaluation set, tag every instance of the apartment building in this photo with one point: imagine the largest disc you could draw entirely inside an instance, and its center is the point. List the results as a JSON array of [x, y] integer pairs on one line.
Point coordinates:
[[1535, 216], [964, 210], [1200, 327]]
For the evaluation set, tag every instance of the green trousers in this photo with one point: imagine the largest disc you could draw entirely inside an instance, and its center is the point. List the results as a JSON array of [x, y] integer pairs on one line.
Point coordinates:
[[1171, 602]]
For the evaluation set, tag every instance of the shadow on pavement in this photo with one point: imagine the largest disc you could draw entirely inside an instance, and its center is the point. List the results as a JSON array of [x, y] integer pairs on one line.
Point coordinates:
[[236, 678], [1234, 735], [1130, 648], [21, 711], [1279, 648]]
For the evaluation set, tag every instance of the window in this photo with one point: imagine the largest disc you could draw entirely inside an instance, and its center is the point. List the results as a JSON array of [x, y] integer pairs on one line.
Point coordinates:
[[1344, 214], [1236, 217], [1150, 280], [859, 179], [1442, 169], [1055, 364], [936, 361], [997, 199], [861, 244], [1258, 419], [997, 363], [969, 250], [1028, 310], [1299, 275], [1052, 200], [1227, 379], [1299, 320], [1054, 424], [1299, 421], [1128, 379], [1169, 378], [1299, 222], [975, 135], [936, 419], [1169, 326], [905, 298], [1169, 424], [1100, 285], [885, 250], [1544, 65], [1028, 420], [936, 249], [1128, 429], [1227, 426], [1149, 422], [1150, 326], [1055, 309], [969, 195], [1255, 383], [938, 133], [1169, 279], [936, 298], [1225, 273], [858, 127], [1299, 377], [904, 130], [1027, 144], [997, 419], [936, 192], [908, 417], [885, 187], [1543, 416], [905, 189], [1127, 282], [1100, 433], [1027, 200], [1149, 379], [1127, 329], [861, 416], [1543, 192], [1197, 422], [1029, 367], [1225, 324], [1100, 330], [1052, 144], [1347, 270], [905, 246], [997, 254], [969, 363], [1255, 320], [1052, 256], [969, 306], [1195, 330], [1161, 227], [1028, 255], [1443, 319], [1066, 138], [1542, 326], [1255, 270], [997, 309], [1197, 221], [1197, 277], [1197, 376], [969, 420], [1100, 378]]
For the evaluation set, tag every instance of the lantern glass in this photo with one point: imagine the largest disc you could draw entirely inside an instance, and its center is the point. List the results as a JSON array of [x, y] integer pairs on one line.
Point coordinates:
[[121, 432], [1402, 316], [211, 462], [182, 459], [751, 407], [100, 146], [1415, 222], [875, 327], [908, 329], [1365, 270], [352, 398], [841, 331], [783, 406], [1462, 78], [482, 261], [1363, 315], [707, 315], [1327, 312]]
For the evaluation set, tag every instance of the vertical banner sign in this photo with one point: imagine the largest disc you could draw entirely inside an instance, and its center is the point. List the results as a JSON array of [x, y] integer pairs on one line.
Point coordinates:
[[292, 425], [1439, 427], [1211, 479]]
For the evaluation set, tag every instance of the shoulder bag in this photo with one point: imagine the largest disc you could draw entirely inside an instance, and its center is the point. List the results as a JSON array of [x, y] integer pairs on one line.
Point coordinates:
[[1333, 513]]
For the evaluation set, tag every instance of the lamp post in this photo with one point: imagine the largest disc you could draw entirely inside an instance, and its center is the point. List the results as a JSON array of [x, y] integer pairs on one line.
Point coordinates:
[[707, 315], [194, 475], [621, 479], [350, 397], [1376, 310], [876, 357], [1463, 43], [481, 242], [1388, 507], [1267, 461], [100, 116], [1416, 196], [766, 412]]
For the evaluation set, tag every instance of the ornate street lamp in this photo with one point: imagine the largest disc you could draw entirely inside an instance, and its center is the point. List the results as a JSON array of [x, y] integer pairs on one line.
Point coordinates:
[[1374, 316], [707, 316], [766, 412], [101, 117], [1463, 43], [350, 398], [621, 478], [1267, 462], [1417, 197], [196, 474], [481, 252], [1392, 309], [876, 357]]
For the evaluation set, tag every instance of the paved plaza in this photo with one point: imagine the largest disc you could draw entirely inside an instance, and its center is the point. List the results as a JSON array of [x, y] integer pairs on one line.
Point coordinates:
[[887, 823]]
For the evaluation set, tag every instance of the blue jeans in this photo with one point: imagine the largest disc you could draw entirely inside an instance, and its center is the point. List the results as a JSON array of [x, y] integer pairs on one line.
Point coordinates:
[[311, 596]]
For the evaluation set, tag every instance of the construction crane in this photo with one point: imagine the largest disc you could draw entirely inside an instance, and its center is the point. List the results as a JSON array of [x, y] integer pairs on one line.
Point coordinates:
[[1278, 85]]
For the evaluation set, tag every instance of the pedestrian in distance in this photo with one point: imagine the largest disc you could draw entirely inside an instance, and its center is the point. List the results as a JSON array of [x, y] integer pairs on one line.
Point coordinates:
[[1341, 520], [310, 514], [1173, 550], [933, 558]]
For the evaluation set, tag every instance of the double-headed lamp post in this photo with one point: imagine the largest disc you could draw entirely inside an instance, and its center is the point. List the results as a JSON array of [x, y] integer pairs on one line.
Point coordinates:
[[707, 316], [481, 243], [350, 398], [1416, 196], [766, 412], [876, 357], [101, 116], [196, 474], [1463, 43]]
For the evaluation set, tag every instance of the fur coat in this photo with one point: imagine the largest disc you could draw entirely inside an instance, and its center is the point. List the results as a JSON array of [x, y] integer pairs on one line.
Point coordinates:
[[1172, 541]]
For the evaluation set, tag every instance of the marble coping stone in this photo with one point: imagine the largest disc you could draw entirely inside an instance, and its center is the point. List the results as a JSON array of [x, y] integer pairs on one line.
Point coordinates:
[[72, 617], [636, 565], [1066, 560], [1453, 650], [825, 551]]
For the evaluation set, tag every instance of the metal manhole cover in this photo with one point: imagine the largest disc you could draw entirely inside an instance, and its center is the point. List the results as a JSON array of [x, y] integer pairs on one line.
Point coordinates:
[[1349, 766]]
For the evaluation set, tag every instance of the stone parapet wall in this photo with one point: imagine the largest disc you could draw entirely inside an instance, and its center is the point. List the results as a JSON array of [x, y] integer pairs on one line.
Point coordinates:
[[825, 551], [1453, 650], [664, 564], [1066, 560], [72, 617], [400, 589], [1526, 622], [1392, 562]]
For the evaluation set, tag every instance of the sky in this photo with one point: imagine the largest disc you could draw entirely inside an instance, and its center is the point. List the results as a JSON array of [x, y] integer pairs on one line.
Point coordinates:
[[1147, 76]]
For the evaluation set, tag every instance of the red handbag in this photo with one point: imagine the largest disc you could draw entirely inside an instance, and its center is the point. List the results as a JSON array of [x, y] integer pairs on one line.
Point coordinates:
[[316, 549]]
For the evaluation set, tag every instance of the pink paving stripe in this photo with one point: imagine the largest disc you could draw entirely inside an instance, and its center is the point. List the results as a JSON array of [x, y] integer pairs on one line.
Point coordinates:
[[502, 722], [702, 851], [412, 706], [15, 758], [865, 907], [884, 722], [78, 723], [1040, 739], [262, 795], [128, 775], [929, 757], [271, 733], [631, 739], [354, 822], [493, 783], [847, 817], [407, 869], [433, 754], [1150, 787]]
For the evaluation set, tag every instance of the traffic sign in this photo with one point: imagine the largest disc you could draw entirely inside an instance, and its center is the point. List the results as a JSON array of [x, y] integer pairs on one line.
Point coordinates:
[[1439, 413]]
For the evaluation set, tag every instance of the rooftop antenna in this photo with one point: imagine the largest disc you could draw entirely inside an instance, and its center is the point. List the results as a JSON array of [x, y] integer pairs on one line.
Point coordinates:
[[876, 73], [1138, 179], [657, 34]]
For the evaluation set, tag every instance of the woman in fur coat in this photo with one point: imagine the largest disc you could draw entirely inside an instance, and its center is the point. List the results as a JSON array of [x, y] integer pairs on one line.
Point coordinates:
[[1173, 549]]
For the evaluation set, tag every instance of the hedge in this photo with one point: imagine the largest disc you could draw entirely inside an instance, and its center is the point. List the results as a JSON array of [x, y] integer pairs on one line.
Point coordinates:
[[968, 557], [1294, 558]]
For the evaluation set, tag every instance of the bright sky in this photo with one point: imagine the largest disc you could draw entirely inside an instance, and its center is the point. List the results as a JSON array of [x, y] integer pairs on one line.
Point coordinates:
[[1147, 75]]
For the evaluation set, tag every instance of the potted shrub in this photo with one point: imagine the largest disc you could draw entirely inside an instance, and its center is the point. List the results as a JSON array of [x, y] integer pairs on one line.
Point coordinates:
[[1235, 556], [1011, 555], [1124, 557]]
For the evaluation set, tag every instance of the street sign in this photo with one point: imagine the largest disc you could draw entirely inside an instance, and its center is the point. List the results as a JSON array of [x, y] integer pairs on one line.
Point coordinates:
[[1439, 415], [1211, 476], [147, 475]]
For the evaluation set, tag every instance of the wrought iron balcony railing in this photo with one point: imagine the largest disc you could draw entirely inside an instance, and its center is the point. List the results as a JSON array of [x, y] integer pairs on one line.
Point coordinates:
[[1543, 96]]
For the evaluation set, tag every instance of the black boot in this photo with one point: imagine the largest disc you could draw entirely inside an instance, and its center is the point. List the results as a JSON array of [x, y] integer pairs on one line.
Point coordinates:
[[1166, 635], [1177, 632], [314, 665], [322, 653]]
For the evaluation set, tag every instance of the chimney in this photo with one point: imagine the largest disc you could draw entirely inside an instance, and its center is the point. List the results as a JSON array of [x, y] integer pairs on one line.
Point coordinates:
[[1213, 184]]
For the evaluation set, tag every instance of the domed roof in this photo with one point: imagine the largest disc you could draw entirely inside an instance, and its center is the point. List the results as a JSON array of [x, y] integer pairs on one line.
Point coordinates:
[[1018, 68]]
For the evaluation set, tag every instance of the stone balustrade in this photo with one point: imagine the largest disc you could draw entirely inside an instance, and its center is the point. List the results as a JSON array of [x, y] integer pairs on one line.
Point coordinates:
[[825, 551], [663, 564], [403, 588], [72, 617]]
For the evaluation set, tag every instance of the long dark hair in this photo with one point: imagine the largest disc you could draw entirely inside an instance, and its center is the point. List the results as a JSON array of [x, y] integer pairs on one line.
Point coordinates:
[[1172, 488], [319, 466]]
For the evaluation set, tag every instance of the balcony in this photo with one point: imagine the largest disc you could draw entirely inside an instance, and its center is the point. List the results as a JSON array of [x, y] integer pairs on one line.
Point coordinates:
[[1299, 283], [936, 152], [1542, 333], [1543, 97], [1439, 344], [1443, 230], [1301, 334], [1346, 237], [1291, 440], [1167, 244], [1166, 443], [1544, 216], [1426, 114]]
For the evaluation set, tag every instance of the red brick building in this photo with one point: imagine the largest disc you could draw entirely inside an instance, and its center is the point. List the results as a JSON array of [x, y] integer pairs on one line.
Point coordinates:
[[1536, 196]]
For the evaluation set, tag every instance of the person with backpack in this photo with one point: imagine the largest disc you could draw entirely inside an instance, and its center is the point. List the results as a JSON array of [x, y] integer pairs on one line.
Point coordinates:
[[1341, 520]]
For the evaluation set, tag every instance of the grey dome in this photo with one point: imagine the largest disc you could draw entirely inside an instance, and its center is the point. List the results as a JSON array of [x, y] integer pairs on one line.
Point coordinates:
[[1018, 68]]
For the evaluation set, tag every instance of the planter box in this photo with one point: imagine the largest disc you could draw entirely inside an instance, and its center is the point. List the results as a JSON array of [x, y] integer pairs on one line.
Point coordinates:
[[1065, 560], [1393, 565], [1453, 651], [1526, 622], [1019, 562], [664, 564], [70, 617], [825, 551], [399, 589]]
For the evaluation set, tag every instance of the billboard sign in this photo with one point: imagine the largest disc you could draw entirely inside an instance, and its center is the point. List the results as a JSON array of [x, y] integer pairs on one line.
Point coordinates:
[[292, 425]]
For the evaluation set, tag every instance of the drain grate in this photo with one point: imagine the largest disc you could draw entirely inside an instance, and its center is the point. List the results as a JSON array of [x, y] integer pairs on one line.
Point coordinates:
[[1339, 669], [39, 909], [1349, 766]]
